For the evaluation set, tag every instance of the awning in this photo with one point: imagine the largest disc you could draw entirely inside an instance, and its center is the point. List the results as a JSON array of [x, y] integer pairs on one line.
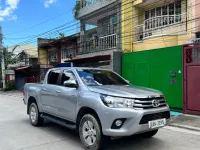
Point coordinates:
[[22, 68]]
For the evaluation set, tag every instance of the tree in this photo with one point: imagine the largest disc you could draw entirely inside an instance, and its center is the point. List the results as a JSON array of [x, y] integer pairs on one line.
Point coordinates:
[[76, 10], [9, 57], [61, 35]]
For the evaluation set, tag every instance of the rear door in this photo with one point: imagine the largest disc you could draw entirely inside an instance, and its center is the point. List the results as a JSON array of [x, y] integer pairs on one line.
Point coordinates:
[[48, 93]]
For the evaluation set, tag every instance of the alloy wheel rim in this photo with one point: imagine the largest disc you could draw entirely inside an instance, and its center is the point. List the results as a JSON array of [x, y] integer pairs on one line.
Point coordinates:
[[33, 114], [89, 133]]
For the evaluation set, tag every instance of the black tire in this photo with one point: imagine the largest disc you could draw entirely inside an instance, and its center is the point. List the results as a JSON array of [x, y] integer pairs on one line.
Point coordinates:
[[38, 121], [100, 141], [149, 134]]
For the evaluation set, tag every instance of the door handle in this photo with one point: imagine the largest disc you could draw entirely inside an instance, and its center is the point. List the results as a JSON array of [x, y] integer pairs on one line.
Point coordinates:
[[58, 91], [44, 89]]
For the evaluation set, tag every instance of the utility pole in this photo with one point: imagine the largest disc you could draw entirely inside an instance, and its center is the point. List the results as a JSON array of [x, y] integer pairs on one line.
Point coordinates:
[[2, 60]]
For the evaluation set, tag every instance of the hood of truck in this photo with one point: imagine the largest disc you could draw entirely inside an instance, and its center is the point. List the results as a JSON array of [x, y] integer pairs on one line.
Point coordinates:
[[126, 91]]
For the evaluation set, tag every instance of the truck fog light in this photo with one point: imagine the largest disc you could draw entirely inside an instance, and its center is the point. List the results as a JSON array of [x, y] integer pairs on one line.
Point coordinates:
[[118, 123]]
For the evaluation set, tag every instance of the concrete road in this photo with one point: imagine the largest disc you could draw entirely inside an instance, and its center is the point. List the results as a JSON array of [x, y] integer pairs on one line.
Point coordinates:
[[16, 133]]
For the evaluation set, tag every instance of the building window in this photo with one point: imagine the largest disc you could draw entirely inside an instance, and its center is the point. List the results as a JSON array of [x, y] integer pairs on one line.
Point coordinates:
[[109, 26], [53, 56], [171, 13], [198, 35], [163, 15], [68, 53]]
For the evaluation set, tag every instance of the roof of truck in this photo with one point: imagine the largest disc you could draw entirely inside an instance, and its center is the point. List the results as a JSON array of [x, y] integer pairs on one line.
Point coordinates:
[[81, 68]]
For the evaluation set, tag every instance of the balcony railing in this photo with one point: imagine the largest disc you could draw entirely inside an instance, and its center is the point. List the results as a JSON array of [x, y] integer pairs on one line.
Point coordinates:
[[85, 3], [91, 6], [99, 44], [151, 25]]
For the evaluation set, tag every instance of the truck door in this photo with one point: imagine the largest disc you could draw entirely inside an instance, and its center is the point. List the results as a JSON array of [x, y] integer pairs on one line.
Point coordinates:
[[48, 93], [66, 101]]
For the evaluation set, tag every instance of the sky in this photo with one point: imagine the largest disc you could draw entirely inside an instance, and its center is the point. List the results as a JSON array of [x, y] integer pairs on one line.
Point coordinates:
[[21, 19]]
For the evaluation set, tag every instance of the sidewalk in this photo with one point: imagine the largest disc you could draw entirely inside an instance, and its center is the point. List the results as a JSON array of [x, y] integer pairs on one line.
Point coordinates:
[[13, 93], [190, 122]]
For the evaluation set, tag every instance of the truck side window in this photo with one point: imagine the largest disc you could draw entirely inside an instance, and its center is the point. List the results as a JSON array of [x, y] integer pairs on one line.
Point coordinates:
[[53, 77], [67, 75]]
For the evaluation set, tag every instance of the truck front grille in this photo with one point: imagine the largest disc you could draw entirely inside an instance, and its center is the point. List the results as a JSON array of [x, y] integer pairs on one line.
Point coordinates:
[[150, 117], [147, 103]]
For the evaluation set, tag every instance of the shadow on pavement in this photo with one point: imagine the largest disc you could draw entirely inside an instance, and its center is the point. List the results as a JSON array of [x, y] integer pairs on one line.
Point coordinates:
[[135, 142], [128, 143]]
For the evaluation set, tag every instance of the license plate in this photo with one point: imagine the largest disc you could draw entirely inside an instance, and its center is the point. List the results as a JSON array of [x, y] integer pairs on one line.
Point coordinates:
[[157, 123]]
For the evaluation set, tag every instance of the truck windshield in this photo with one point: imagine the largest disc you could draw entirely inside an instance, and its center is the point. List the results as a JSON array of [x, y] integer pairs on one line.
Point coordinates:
[[100, 77]]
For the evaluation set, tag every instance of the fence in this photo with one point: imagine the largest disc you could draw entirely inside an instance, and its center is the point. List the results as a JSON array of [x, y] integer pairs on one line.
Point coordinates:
[[99, 44], [150, 25]]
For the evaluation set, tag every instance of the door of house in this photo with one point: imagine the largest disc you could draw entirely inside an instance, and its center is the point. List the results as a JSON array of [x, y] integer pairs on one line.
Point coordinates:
[[19, 83], [191, 67]]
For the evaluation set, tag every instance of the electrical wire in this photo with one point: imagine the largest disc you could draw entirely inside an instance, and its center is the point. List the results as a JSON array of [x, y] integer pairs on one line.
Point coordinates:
[[59, 30], [43, 22], [107, 11]]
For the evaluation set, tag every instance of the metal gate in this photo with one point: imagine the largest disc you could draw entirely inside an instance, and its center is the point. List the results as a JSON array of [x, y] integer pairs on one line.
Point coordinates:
[[191, 78], [19, 83]]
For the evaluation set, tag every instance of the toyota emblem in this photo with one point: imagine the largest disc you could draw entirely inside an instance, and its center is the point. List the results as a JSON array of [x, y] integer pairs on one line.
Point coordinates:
[[155, 103]]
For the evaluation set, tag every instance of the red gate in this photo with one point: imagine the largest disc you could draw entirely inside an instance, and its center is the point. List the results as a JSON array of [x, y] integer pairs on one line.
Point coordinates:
[[191, 78]]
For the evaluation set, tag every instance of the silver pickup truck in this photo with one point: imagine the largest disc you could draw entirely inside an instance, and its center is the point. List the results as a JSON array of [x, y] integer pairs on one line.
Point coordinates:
[[97, 103]]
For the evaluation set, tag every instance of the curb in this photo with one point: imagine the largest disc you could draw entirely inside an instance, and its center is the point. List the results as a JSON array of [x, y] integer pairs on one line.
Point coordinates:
[[185, 127]]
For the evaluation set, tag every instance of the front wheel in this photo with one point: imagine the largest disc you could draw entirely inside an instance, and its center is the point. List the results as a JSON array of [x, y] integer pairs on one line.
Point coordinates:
[[149, 134], [90, 133], [34, 115]]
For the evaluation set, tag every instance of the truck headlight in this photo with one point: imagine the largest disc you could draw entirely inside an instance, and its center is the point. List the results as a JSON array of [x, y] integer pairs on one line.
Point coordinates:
[[117, 102]]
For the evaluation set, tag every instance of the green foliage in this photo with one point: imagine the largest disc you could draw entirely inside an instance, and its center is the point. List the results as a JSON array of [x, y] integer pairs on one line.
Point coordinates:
[[61, 35], [9, 57], [76, 10], [10, 85]]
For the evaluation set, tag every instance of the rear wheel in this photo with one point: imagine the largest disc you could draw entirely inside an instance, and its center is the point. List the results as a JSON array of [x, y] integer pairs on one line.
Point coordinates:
[[34, 115], [90, 133], [149, 134]]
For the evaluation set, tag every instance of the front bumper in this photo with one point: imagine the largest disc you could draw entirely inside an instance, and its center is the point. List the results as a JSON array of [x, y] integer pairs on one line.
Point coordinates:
[[132, 125]]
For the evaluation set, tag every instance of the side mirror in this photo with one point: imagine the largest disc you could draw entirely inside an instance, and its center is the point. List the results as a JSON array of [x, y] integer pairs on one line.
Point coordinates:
[[71, 84]]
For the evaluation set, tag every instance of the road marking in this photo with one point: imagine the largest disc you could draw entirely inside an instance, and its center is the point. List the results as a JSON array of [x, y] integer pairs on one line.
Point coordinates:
[[182, 130]]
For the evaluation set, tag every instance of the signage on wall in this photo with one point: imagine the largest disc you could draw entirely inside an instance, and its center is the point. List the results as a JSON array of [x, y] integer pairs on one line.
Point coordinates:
[[173, 79], [173, 73]]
